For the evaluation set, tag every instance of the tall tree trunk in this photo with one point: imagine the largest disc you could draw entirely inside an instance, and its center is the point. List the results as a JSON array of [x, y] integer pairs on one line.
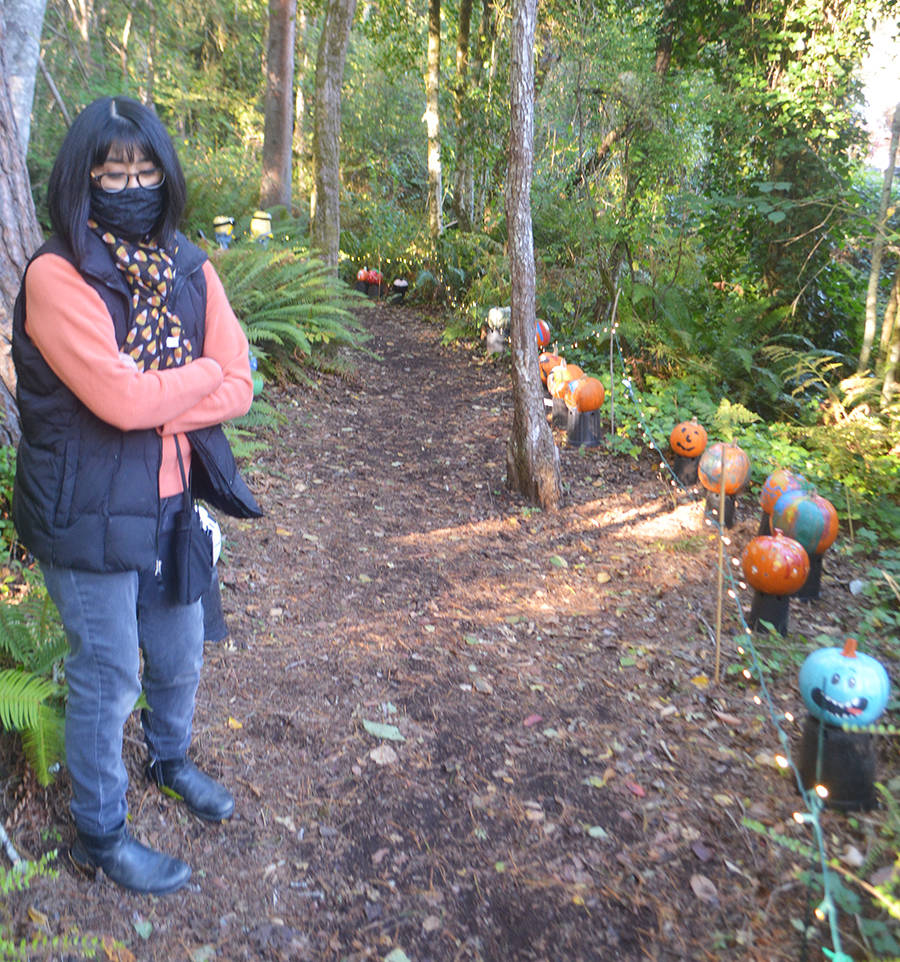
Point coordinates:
[[532, 460], [301, 145], [278, 137], [891, 349], [325, 211], [21, 32], [878, 247], [463, 194], [19, 239], [432, 118]]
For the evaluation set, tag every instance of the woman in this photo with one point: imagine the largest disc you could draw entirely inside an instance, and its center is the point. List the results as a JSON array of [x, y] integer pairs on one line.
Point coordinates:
[[128, 359]]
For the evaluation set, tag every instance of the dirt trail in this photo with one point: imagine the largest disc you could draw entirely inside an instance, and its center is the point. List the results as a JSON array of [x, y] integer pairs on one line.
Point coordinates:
[[456, 728]]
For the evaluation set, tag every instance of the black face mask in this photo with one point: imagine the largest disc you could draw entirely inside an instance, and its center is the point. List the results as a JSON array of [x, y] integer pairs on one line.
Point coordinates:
[[131, 213]]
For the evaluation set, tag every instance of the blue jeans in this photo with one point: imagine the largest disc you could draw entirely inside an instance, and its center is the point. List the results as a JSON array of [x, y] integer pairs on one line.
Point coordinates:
[[109, 620]]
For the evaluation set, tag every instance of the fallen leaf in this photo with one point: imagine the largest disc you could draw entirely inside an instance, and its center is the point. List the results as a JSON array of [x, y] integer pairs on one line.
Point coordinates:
[[603, 577], [704, 889], [483, 685], [598, 831], [532, 720], [286, 821], [701, 681], [384, 755], [390, 732], [431, 923], [234, 724], [732, 720], [285, 533], [37, 917], [723, 800], [599, 781], [634, 788], [558, 562], [703, 852]]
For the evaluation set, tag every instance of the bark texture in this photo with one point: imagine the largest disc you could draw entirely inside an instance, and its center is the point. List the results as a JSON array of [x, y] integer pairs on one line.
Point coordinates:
[[21, 32], [325, 212], [278, 139], [432, 118], [532, 459], [20, 236], [464, 192]]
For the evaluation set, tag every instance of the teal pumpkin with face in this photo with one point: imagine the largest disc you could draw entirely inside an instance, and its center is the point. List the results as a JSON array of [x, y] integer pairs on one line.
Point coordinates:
[[843, 686]]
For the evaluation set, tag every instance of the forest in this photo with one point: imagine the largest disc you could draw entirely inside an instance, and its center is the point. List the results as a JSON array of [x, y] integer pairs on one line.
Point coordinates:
[[685, 198]]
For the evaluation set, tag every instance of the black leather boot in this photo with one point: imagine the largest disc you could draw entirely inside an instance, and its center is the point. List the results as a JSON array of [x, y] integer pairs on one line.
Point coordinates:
[[128, 863], [204, 796]]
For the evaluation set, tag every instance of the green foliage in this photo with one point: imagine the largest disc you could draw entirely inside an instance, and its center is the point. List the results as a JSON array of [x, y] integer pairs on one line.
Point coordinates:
[[32, 647], [294, 311], [242, 432], [7, 479], [71, 945]]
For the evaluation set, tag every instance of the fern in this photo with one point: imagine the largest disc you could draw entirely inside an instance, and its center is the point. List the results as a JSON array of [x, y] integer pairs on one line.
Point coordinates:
[[32, 646], [292, 308]]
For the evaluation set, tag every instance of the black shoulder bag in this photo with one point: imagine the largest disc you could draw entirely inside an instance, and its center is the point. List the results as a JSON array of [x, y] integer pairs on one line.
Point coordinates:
[[193, 547]]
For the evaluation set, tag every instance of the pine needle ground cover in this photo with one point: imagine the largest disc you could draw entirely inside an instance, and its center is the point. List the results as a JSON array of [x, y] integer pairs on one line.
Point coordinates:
[[460, 729]]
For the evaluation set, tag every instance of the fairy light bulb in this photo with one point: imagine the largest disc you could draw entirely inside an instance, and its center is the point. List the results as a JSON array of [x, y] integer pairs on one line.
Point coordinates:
[[781, 761]]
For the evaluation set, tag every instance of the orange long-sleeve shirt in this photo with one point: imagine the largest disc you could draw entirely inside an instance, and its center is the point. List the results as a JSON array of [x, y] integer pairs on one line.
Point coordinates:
[[71, 327]]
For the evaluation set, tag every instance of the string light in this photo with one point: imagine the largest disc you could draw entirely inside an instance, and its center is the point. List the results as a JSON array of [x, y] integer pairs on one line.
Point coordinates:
[[813, 800]]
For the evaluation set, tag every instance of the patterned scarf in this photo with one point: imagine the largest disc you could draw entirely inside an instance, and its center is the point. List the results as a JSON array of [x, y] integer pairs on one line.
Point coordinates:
[[155, 339]]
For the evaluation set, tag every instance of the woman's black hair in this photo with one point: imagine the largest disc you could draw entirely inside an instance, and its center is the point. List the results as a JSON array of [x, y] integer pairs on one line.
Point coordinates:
[[109, 122]]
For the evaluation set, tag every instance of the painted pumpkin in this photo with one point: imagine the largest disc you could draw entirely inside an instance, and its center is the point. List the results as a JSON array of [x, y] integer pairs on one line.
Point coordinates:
[[808, 518], [362, 274], [688, 439], [546, 363], [725, 462], [779, 482], [542, 330], [584, 394], [843, 686], [560, 376], [775, 564]]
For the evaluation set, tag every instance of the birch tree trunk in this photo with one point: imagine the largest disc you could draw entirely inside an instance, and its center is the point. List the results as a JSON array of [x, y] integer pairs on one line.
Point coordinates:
[[20, 236], [432, 118], [21, 32], [325, 210], [878, 247], [532, 460], [464, 191], [278, 137]]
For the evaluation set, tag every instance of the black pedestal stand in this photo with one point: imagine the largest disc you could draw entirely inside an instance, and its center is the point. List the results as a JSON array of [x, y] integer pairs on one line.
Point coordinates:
[[774, 609], [685, 469], [712, 506], [583, 428], [842, 761], [813, 584]]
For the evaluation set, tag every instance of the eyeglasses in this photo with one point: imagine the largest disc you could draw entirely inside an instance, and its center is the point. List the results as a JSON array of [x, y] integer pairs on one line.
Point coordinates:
[[116, 182]]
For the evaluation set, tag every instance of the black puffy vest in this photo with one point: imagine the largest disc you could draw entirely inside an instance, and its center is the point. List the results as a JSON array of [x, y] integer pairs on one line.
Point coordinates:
[[87, 494]]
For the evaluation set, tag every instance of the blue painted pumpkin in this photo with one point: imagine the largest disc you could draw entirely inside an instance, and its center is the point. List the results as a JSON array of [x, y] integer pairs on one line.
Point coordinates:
[[843, 686], [808, 518]]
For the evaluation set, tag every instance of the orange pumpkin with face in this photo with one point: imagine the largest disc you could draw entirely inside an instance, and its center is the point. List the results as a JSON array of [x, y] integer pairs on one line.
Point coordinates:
[[688, 439]]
